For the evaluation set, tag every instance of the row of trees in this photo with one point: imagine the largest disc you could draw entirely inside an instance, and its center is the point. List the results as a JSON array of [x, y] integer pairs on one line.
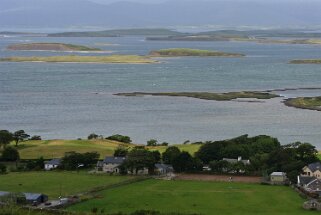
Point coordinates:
[[6, 137], [115, 137]]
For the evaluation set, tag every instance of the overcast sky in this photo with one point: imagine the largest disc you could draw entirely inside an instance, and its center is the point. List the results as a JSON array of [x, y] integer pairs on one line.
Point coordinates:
[[159, 1]]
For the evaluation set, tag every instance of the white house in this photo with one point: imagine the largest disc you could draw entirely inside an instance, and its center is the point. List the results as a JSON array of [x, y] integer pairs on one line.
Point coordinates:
[[52, 164], [313, 169], [110, 164]]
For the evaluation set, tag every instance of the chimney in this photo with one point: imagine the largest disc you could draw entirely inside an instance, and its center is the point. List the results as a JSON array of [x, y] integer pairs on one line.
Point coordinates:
[[239, 158]]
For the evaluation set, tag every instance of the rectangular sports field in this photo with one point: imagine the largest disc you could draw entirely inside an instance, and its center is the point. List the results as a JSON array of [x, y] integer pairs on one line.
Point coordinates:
[[208, 198]]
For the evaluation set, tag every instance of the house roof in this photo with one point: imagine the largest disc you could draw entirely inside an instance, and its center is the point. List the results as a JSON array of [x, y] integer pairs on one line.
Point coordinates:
[[4, 193], [278, 174], [32, 196], [55, 161], [315, 166], [114, 160], [163, 166], [305, 179], [231, 160]]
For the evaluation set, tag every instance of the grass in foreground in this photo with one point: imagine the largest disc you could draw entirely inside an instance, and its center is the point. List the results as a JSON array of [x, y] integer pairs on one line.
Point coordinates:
[[207, 198], [55, 183], [311, 103], [177, 52], [56, 148], [122, 59], [209, 96]]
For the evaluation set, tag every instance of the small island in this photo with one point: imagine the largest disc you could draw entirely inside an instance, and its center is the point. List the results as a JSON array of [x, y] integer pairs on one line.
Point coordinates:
[[185, 52], [208, 95], [310, 103], [306, 61], [50, 47], [117, 59]]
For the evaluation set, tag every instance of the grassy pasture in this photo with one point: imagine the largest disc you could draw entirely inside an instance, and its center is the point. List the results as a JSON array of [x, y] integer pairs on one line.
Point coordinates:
[[207, 198], [56, 148], [52, 183]]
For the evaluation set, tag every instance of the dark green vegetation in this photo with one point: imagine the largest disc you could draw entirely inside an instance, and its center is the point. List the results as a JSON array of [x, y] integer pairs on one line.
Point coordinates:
[[55, 184], [208, 96], [306, 61], [205, 198], [311, 103], [177, 52], [121, 59], [119, 32], [50, 47]]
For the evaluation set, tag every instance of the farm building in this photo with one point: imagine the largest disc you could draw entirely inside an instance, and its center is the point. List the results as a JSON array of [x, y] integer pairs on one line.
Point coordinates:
[[278, 178], [52, 164], [35, 198], [163, 169], [239, 159], [310, 184]]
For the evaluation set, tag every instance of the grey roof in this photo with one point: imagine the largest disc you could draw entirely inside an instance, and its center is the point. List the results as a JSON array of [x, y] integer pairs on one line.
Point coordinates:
[[163, 166], [32, 196], [55, 161], [278, 174], [231, 160], [315, 166], [114, 160], [306, 179], [4, 193]]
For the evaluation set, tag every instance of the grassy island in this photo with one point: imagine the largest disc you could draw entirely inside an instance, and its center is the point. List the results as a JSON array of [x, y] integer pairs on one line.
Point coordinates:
[[306, 61], [310, 103], [50, 47], [209, 96], [122, 59], [179, 52]]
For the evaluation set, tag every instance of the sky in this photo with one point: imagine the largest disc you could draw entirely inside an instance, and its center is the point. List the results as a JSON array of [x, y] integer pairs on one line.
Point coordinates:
[[159, 1]]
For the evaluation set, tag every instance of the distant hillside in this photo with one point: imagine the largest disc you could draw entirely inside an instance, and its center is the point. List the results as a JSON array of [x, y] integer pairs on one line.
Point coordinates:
[[119, 32], [82, 13]]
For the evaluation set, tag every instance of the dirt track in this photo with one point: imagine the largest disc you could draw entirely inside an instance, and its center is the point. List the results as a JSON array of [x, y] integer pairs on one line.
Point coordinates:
[[203, 177]]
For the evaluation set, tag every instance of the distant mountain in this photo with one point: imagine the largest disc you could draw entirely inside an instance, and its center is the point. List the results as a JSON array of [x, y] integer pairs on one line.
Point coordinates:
[[67, 13]]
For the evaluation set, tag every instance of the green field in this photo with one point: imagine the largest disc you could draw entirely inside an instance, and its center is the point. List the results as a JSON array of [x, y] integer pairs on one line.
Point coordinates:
[[207, 198], [56, 148], [121, 59], [178, 52], [55, 183], [311, 103]]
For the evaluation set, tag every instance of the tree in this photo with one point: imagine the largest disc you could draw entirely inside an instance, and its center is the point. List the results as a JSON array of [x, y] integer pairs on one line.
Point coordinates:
[[10, 154], [140, 158], [5, 138], [92, 136], [219, 166], [183, 162], [307, 153], [211, 151], [170, 154], [20, 136], [120, 151], [120, 138], [152, 142], [3, 169], [73, 160], [35, 137]]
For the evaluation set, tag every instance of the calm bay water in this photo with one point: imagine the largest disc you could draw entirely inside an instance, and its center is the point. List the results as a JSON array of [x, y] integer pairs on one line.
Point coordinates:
[[73, 100]]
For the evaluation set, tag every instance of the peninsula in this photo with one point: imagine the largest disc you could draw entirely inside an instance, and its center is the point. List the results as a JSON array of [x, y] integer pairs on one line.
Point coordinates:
[[306, 61], [310, 103], [120, 59], [181, 52], [50, 47], [208, 95]]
